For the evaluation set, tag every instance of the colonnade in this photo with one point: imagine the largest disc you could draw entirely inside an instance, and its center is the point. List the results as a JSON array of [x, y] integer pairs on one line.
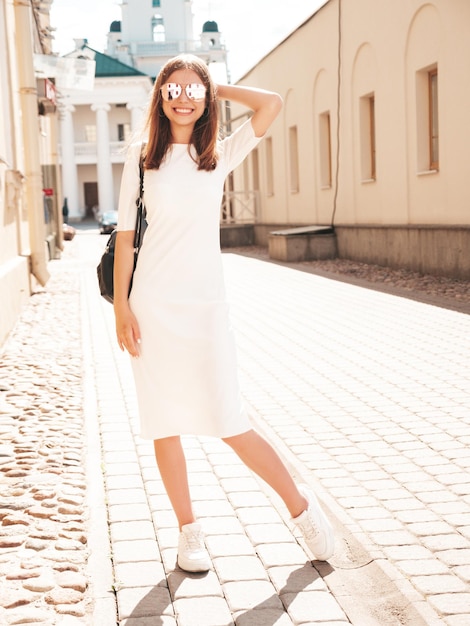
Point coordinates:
[[70, 185]]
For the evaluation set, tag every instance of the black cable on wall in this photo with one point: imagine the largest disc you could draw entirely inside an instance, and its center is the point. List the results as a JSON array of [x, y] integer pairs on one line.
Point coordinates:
[[338, 117]]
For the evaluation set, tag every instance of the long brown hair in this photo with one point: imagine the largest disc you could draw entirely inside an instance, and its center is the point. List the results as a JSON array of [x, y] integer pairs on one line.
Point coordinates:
[[206, 129]]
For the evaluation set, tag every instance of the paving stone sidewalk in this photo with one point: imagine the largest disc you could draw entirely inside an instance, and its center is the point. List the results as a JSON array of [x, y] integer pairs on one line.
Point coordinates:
[[365, 394], [371, 393]]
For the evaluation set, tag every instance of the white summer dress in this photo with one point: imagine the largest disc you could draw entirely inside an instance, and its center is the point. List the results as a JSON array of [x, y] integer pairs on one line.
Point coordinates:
[[186, 376]]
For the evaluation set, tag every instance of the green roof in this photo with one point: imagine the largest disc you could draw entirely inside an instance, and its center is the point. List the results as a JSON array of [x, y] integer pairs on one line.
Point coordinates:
[[106, 66]]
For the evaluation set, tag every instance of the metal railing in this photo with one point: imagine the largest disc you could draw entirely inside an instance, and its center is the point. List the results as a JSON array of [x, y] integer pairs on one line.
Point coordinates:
[[239, 207]]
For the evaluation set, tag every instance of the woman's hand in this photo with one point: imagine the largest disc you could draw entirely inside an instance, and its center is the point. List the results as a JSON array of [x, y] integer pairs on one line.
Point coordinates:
[[127, 330]]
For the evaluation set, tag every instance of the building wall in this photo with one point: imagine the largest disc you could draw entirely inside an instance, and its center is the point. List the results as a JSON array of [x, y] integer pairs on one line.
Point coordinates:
[[383, 50], [25, 148]]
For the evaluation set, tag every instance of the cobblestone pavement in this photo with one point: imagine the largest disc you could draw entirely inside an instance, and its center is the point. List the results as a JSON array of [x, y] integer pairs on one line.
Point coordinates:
[[43, 532], [365, 394]]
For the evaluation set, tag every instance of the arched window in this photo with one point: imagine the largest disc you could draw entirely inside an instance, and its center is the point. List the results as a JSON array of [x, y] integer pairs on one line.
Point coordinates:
[[158, 28]]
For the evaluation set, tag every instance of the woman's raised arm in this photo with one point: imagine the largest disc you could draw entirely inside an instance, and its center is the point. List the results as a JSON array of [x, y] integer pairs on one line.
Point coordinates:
[[264, 104]]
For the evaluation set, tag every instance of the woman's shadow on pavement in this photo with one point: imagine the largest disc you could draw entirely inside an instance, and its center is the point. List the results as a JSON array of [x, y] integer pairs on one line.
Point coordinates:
[[154, 606]]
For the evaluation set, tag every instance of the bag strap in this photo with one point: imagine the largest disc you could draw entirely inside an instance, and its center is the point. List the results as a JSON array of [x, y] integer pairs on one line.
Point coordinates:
[[141, 211], [141, 176]]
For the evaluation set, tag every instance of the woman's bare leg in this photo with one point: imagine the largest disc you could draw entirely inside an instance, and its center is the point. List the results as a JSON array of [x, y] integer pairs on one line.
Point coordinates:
[[261, 458], [172, 465]]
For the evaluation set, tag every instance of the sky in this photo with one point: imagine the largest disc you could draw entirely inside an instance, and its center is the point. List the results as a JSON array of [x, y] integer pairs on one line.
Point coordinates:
[[249, 28]]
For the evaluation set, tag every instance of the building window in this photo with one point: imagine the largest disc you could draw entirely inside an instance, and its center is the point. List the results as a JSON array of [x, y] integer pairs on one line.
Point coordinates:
[[158, 28], [427, 119], [433, 120], [90, 133], [156, 4], [325, 149], [124, 132], [294, 159], [367, 137], [268, 143]]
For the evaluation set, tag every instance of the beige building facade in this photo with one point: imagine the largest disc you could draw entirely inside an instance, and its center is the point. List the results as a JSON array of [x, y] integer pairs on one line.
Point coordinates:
[[374, 133], [30, 223]]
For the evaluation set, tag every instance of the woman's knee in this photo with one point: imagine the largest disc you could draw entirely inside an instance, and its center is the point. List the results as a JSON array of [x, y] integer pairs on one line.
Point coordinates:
[[236, 440], [167, 443]]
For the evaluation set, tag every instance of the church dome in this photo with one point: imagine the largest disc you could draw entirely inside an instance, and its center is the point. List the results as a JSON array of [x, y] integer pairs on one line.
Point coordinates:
[[210, 27], [115, 27]]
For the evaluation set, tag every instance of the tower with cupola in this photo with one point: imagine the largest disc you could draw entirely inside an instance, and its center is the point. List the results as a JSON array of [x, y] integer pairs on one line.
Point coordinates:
[[153, 31]]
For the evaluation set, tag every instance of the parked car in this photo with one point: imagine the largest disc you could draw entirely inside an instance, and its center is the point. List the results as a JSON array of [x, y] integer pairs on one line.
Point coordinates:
[[108, 222]]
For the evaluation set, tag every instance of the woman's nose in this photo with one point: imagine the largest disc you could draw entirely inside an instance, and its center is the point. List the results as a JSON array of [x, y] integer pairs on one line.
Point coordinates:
[[183, 95]]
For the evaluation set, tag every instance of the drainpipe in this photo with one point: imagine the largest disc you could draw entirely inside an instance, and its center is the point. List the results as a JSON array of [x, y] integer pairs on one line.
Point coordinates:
[[32, 168]]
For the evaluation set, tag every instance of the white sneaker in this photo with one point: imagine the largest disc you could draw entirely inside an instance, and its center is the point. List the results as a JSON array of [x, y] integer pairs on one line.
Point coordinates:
[[315, 527], [192, 553]]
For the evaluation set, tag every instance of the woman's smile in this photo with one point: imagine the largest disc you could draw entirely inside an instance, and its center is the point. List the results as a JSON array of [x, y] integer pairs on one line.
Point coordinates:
[[183, 111]]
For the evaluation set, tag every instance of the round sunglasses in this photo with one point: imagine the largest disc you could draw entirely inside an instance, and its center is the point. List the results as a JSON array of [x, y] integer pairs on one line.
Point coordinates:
[[172, 91]]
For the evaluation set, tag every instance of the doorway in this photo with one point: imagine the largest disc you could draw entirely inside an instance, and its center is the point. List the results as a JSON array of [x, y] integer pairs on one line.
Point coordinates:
[[91, 199]]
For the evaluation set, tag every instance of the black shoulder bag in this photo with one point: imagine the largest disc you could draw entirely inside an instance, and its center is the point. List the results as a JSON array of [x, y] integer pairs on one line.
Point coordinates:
[[105, 269]]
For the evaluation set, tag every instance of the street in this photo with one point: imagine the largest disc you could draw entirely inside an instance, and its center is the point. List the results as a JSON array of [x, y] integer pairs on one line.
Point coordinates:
[[365, 395]]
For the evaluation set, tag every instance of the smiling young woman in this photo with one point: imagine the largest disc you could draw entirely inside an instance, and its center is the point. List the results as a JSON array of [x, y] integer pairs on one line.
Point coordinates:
[[175, 321]]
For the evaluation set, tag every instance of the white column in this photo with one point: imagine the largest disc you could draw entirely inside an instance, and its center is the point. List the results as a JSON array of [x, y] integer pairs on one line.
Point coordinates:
[[103, 153], [136, 115], [69, 167]]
